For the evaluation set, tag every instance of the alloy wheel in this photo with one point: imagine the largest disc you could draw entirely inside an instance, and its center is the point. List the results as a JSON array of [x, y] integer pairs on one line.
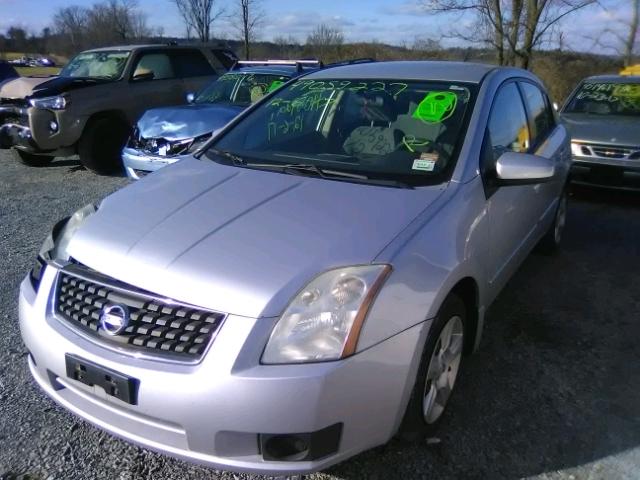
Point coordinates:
[[443, 369]]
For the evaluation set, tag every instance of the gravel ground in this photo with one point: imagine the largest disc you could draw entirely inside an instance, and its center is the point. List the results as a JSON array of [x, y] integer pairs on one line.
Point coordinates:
[[552, 394]]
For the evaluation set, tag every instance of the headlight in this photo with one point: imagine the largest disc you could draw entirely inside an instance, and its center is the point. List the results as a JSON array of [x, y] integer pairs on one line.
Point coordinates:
[[56, 244], [49, 103], [576, 149], [323, 321]]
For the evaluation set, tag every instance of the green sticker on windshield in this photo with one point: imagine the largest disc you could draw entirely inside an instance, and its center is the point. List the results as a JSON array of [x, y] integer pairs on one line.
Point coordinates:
[[276, 84], [436, 107]]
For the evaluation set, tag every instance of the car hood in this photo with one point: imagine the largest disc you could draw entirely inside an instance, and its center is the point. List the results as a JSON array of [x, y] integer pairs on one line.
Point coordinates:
[[186, 121], [605, 129], [38, 87], [238, 240], [20, 87]]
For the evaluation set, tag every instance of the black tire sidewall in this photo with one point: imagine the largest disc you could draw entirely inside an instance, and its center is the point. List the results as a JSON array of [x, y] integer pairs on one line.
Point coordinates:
[[413, 426], [100, 147]]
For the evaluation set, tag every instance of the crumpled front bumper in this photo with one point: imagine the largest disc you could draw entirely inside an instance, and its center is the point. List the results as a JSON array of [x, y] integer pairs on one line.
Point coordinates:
[[216, 412], [138, 163], [14, 130]]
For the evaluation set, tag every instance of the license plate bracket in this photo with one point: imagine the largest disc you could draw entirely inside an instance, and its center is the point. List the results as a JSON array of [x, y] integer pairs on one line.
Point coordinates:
[[114, 383]]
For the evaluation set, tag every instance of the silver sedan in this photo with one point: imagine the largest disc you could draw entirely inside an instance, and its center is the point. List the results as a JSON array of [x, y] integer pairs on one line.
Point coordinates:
[[307, 285]]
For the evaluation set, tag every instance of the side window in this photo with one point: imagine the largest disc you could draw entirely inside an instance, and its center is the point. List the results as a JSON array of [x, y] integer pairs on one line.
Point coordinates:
[[540, 114], [191, 63], [157, 63], [508, 127]]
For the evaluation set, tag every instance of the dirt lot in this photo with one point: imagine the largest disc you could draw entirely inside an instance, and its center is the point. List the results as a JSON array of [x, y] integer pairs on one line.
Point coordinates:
[[553, 393]]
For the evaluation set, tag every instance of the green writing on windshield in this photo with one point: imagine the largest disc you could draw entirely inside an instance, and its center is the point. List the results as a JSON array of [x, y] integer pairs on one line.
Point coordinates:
[[392, 88], [436, 107]]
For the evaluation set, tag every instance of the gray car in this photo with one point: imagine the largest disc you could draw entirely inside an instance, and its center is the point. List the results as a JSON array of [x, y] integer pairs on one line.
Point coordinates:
[[603, 118], [304, 287]]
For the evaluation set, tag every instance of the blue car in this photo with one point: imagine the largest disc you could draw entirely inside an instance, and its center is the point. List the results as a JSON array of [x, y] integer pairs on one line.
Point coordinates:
[[163, 135]]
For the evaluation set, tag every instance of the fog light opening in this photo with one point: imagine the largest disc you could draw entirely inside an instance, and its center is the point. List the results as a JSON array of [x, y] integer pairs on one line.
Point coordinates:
[[285, 447], [53, 126]]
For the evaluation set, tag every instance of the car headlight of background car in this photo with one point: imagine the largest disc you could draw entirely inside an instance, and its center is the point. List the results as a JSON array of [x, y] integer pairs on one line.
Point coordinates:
[[49, 103], [56, 244], [323, 321]]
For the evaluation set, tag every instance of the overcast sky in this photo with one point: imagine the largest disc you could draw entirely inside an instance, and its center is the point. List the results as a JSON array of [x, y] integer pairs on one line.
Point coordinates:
[[389, 21]]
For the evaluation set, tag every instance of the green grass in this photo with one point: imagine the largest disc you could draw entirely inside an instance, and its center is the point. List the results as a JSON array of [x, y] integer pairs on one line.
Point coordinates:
[[37, 71]]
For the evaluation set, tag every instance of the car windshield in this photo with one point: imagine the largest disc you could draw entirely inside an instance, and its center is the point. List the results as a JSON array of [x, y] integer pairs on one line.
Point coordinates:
[[240, 89], [400, 131], [606, 99], [105, 64]]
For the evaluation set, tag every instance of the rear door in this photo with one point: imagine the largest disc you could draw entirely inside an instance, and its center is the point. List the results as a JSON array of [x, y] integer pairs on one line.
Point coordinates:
[[194, 69], [153, 81]]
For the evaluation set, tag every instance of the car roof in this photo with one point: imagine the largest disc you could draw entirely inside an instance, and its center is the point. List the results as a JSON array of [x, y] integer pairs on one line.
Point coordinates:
[[614, 78], [126, 48], [287, 70], [410, 70]]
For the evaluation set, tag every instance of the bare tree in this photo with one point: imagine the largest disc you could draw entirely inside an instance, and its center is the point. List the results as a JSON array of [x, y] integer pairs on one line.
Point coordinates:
[[246, 20], [198, 16], [633, 39], [71, 22], [325, 42], [515, 28], [115, 21], [623, 38]]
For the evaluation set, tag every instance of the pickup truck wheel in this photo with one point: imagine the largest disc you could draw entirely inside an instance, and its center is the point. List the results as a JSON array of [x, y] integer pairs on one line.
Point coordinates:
[[551, 240], [32, 159], [438, 371], [101, 145]]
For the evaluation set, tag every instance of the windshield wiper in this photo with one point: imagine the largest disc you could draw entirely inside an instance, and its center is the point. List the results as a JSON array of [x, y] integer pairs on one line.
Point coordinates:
[[303, 168], [237, 161]]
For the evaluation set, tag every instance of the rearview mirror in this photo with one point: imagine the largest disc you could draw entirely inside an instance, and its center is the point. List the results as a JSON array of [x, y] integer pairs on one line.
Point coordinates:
[[523, 168], [140, 77], [191, 97]]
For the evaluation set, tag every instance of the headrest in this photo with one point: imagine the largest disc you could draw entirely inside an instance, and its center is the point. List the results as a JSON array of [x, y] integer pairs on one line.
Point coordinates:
[[377, 106]]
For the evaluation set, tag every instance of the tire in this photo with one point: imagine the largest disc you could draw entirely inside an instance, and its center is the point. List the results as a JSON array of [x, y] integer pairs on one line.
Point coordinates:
[[550, 242], [31, 159], [101, 145], [428, 401]]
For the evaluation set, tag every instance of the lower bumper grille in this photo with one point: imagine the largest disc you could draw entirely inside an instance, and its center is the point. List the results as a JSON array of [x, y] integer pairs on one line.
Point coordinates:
[[152, 326]]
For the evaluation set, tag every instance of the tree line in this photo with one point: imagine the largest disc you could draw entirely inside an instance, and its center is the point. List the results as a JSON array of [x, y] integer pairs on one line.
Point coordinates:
[[506, 32]]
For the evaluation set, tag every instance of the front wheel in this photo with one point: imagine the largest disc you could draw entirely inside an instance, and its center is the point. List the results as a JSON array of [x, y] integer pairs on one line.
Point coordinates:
[[31, 159], [438, 370], [101, 145]]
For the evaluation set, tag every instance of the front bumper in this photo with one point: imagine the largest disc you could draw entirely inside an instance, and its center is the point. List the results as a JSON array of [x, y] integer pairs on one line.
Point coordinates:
[[39, 130], [214, 412], [621, 174], [138, 163]]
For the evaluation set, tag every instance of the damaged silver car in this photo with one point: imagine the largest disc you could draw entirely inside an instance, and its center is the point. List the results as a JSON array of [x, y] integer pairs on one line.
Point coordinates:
[[163, 135]]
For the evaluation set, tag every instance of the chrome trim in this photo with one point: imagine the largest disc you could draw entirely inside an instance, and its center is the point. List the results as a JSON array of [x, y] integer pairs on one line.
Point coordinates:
[[618, 152], [136, 351]]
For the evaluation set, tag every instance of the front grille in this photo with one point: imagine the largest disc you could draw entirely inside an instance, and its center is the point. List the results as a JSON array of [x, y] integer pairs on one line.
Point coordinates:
[[608, 151], [160, 146], [157, 327]]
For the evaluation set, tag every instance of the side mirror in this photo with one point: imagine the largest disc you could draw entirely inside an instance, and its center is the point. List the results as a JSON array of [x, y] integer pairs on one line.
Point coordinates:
[[523, 168], [191, 97], [143, 76]]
